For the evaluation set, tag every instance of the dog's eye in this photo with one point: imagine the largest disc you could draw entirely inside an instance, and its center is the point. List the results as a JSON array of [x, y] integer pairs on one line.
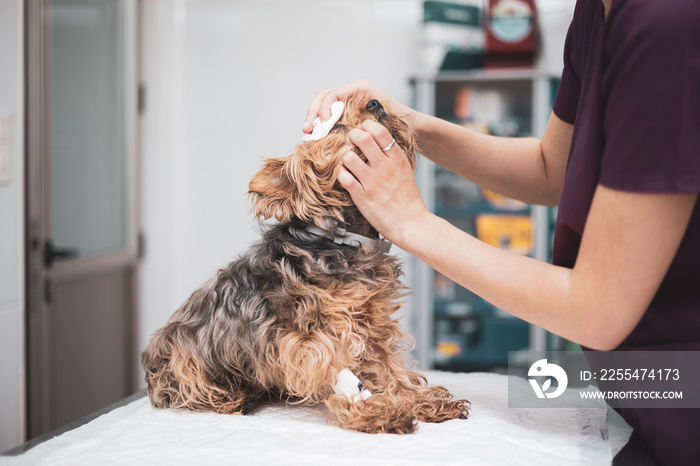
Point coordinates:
[[338, 127]]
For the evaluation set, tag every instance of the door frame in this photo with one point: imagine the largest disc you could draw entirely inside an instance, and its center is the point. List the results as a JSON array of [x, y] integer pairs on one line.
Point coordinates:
[[39, 319]]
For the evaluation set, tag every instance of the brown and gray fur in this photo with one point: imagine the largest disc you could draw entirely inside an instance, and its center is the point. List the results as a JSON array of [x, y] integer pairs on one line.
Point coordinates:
[[287, 316]]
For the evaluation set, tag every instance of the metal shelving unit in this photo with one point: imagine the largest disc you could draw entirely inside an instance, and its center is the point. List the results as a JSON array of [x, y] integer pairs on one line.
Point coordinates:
[[454, 329]]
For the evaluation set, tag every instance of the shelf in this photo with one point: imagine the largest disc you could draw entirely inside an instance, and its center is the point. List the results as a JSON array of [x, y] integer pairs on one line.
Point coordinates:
[[485, 345], [505, 74], [481, 208], [455, 329]]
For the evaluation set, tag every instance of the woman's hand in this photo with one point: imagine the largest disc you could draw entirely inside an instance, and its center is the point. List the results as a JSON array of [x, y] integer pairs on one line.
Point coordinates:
[[321, 104], [384, 188]]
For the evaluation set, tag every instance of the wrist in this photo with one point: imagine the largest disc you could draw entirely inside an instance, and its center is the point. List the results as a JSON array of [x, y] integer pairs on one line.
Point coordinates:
[[419, 121], [411, 233], [427, 128]]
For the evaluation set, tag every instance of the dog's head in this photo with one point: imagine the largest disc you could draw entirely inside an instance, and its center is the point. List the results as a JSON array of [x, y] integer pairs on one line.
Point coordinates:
[[304, 185]]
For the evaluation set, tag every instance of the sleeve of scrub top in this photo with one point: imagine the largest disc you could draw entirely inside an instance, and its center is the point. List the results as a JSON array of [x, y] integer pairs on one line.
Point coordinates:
[[566, 102], [651, 91]]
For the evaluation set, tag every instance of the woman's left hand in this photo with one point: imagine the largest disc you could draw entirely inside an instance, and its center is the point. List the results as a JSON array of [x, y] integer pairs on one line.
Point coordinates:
[[384, 188]]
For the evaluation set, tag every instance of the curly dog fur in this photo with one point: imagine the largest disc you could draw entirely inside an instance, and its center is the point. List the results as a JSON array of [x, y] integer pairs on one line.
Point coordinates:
[[287, 316]]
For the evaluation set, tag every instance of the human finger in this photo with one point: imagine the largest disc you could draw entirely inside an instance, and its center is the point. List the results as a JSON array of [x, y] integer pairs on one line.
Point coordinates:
[[367, 145], [313, 111], [355, 165], [385, 141], [321, 104], [340, 93], [349, 182]]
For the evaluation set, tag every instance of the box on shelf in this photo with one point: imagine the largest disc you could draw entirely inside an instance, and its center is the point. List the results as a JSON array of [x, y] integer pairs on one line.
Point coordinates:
[[511, 33], [510, 232], [453, 35]]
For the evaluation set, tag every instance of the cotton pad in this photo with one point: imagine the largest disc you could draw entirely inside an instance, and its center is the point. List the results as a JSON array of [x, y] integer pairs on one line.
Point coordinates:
[[322, 129]]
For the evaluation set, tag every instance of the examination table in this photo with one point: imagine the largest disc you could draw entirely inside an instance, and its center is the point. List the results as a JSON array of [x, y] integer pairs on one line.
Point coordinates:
[[134, 433]]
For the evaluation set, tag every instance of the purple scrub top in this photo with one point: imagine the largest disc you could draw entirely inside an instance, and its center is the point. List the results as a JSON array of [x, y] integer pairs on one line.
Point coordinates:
[[631, 87]]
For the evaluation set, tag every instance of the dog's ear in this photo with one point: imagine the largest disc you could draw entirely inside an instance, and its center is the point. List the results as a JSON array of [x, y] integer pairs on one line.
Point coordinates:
[[272, 190], [302, 185]]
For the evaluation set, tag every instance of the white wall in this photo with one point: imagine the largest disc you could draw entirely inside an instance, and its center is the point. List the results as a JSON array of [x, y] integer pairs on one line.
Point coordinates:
[[11, 233]]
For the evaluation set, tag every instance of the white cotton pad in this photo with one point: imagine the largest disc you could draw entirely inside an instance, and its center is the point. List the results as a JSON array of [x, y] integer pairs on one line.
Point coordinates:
[[322, 129]]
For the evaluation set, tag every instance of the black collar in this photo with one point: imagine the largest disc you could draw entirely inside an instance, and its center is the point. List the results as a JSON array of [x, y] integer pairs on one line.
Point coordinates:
[[353, 239]]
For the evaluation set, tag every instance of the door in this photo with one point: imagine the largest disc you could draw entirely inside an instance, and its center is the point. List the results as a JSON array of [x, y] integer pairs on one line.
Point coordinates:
[[81, 197]]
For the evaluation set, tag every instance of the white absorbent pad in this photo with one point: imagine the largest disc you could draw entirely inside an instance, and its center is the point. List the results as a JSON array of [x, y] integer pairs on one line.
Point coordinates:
[[277, 434], [349, 385]]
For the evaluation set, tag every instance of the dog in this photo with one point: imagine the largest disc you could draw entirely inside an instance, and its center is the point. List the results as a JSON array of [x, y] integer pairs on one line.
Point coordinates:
[[308, 305]]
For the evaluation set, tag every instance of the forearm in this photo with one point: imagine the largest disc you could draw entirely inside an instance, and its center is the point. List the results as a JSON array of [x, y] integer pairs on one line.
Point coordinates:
[[535, 291], [628, 244], [514, 167]]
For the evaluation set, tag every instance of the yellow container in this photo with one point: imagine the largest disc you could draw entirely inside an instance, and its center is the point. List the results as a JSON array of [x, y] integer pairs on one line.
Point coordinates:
[[502, 202], [510, 232]]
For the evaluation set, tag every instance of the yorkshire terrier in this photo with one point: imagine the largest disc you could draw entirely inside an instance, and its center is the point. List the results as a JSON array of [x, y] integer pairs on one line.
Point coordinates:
[[308, 305]]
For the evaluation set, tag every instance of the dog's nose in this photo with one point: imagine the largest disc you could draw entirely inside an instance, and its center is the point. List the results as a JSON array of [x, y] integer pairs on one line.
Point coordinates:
[[374, 105]]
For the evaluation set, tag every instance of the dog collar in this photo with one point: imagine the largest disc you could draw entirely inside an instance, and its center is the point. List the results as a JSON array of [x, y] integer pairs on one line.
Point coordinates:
[[352, 239]]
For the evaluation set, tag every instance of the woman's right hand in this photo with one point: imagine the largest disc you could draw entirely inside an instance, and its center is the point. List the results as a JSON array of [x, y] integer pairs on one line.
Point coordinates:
[[321, 104]]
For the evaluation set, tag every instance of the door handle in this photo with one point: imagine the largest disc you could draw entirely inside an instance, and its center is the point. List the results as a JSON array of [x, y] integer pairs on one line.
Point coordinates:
[[52, 253]]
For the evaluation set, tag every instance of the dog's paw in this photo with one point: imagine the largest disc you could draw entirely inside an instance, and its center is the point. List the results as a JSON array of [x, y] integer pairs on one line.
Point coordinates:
[[377, 415]]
